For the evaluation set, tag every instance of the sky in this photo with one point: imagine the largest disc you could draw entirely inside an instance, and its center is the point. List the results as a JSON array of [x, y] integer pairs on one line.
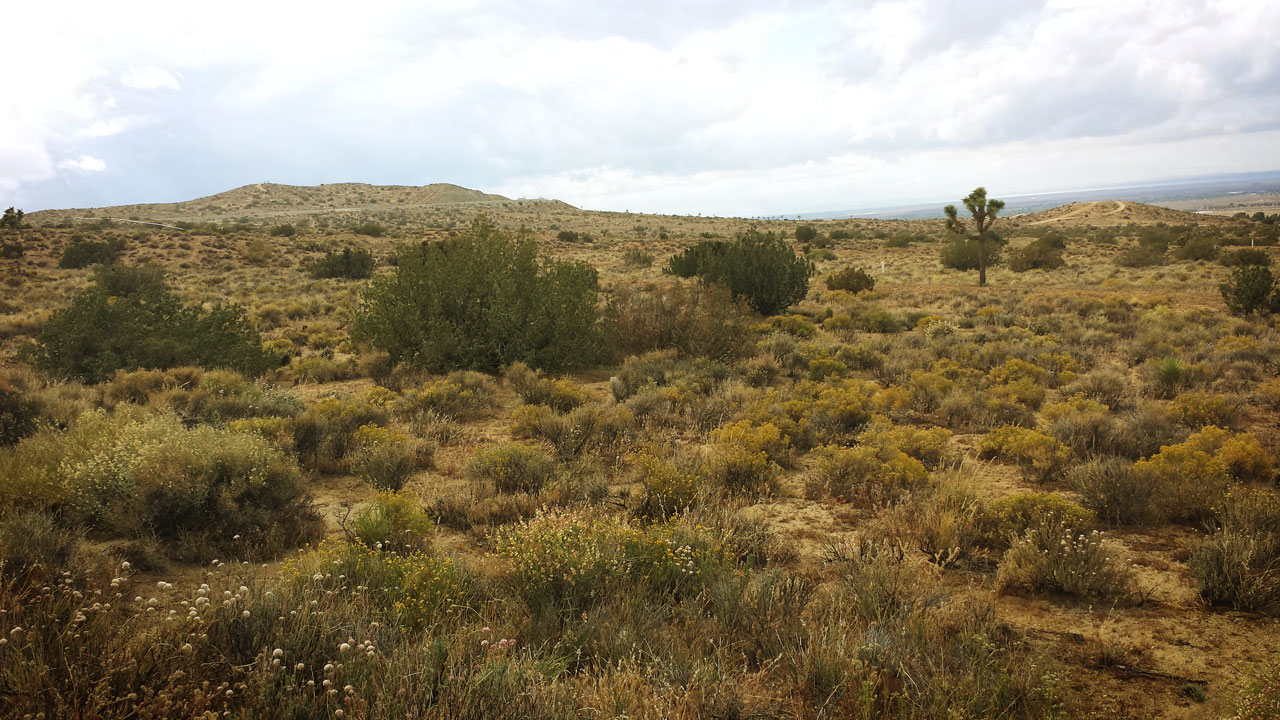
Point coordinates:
[[718, 107]]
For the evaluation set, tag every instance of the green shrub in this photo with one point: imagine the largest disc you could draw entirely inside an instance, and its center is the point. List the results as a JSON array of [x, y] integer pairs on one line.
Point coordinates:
[[1244, 257], [1239, 565], [513, 468], [760, 268], [851, 279], [18, 410], [394, 522], [129, 319], [481, 302], [12, 250], [83, 253], [370, 228], [1056, 557], [386, 458], [573, 236], [1251, 289], [688, 263], [962, 254], [283, 230], [1037, 255], [1197, 248], [669, 487], [806, 233], [351, 263]]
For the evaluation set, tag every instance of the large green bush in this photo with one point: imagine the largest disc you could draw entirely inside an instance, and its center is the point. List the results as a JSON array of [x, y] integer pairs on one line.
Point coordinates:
[[351, 263], [481, 302], [1251, 289], [83, 253], [758, 267], [962, 253], [129, 319], [1040, 254]]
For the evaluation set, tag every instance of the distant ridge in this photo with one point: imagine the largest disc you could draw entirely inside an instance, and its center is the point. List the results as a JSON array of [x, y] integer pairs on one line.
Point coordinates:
[[275, 200]]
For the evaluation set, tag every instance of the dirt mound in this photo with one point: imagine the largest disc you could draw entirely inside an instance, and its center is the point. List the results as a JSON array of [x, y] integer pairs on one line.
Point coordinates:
[[1112, 212]]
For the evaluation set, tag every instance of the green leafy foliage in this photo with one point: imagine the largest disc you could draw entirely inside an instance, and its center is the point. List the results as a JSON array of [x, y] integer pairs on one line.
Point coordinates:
[[758, 267], [83, 253], [351, 263], [1251, 289], [1038, 255], [130, 319], [483, 301], [851, 279], [12, 219]]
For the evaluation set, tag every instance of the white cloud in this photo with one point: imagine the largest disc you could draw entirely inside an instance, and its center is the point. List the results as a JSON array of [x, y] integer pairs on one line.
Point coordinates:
[[726, 106], [85, 163], [149, 77]]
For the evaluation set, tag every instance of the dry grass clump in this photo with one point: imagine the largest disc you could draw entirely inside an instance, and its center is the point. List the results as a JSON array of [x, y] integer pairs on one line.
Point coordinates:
[[534, 389], [589, 428], [1239, 564], [461, 395], [385, 458]]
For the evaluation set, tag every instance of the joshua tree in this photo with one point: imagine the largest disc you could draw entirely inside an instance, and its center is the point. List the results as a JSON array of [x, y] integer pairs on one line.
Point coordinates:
[[984, 213]]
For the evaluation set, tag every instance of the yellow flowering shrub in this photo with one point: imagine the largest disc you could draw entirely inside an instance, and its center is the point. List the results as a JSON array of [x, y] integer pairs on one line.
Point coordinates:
[[864, 474], [415, 590], [394, 522], [931, 446], [1010, 516], [534, 389], [764, 439], [1197, 409], [574, 557], [1189, 478], [460, 395], [667, 488], [1044, 456], [513, 468]]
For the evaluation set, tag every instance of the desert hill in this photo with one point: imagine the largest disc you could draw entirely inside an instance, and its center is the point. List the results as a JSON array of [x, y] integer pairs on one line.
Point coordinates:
[[1105, 213], [268, 200]]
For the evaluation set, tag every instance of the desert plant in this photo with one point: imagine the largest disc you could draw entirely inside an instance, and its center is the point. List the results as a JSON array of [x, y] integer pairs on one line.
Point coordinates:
[[1044, 456], [1251, 289], [351, 263], [1037, 255], [1054, 556], [758, 267], [394, 522], [513, 468], [1239, 565], [864, 475], [83, 253], [851, 279], [696, 320], [129, 319], [1109, 487], [283, 230], [984, 214], [534, 389], [385, 458], [1245, 256], [483, 301]]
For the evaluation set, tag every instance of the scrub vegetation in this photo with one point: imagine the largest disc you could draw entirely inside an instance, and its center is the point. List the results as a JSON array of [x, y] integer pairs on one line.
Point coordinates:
[[508, 459]]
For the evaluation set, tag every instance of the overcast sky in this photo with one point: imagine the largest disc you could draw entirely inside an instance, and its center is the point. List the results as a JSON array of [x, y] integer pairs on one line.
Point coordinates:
[[734, 107]]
